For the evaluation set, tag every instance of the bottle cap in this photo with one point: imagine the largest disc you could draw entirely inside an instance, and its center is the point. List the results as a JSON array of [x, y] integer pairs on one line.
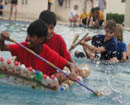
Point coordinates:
[[52, 77], [44, 76], [62, 89], [37, 71], [23, 67], [79, 78], [16, 63], [30, 68], [8, 61], [1, 59]]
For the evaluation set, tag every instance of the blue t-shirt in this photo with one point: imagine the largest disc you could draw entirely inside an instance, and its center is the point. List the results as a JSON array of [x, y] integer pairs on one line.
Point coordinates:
[[121, 47], [110, 46]]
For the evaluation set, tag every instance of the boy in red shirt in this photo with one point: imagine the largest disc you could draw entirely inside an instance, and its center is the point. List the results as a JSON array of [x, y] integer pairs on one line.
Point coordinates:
[[37, 33], [55, 41]]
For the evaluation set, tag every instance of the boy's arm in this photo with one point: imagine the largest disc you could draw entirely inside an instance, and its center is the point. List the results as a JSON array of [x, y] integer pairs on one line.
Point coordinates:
[[93, 48], [4, 36], [123, 59], [88, 38]]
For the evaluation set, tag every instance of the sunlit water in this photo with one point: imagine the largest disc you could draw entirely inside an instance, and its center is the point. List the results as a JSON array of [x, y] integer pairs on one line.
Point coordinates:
[[112, 80]]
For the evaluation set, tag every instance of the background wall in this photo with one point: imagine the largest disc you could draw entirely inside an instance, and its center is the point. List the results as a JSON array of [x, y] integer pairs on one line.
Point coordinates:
[[29, 11], [127, 14]]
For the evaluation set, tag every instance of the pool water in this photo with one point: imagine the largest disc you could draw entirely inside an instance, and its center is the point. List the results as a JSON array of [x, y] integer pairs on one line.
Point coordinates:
[[113, 80]]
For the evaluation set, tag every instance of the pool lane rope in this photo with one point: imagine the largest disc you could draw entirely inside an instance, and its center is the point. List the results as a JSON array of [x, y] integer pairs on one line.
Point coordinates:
[[97, 93]]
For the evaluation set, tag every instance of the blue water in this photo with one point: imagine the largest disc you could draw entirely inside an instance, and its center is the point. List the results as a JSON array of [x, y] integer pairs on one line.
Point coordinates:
[[112, 80]]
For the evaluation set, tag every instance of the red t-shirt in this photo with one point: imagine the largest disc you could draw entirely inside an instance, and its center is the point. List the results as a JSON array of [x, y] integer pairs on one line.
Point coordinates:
[[30, 60], [58, 44]]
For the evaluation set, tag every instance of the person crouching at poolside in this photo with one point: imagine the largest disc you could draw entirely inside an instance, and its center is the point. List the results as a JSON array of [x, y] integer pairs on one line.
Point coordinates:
[[73, 16], [95, 18], [37, 33], [83, 18], [102, 44]]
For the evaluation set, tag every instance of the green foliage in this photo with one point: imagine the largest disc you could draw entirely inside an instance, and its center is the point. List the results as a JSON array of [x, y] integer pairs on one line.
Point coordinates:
[[118, 18]]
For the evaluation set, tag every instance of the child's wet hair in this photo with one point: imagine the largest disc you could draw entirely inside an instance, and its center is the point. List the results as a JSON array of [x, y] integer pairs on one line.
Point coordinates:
[[111, 25], [119, 33], [38, 28], [48, 17]]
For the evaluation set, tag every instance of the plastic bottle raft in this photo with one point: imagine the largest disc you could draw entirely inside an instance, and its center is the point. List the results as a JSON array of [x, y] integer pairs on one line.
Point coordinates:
[[15, 73]]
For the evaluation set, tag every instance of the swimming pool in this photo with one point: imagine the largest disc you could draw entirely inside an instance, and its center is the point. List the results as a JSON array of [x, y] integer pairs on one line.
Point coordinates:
[[113, 80]]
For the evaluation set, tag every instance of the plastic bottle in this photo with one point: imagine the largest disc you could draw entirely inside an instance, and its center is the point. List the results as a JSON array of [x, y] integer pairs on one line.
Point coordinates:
[[79, 78], [1, 76], [31, 72], [38, 75], [2, 63], [46, 80], [54, 83], [23, 70], [67, 71], [17, 68], [64, 86], [9, 65]]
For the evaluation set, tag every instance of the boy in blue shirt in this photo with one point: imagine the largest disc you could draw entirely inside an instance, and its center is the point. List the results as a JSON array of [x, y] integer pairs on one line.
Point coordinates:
[[103, 44]]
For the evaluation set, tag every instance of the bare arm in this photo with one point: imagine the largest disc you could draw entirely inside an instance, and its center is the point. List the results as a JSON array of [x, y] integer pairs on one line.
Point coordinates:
[[123, 59], [93, 48], [88, 38], [4, 36]]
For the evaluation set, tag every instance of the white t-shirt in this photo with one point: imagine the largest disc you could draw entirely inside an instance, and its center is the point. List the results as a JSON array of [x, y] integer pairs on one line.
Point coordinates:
[[72, 13]]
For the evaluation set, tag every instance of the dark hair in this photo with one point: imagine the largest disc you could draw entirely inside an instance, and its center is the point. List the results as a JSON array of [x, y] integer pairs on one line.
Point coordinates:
[[111, 25], [38, 28], [48, 17], [97, 8], [92, 10]]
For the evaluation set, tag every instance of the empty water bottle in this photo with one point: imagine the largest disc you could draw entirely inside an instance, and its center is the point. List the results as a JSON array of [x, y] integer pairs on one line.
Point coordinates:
[[17, 67], [64, 86], [2, 63], [67, 71], [31, 72], [38, 75], [9, 65], [79, 78], [23, 70], [46, 80], [54, 83]]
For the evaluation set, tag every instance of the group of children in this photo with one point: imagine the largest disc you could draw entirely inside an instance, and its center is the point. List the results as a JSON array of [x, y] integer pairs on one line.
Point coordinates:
[[93, 19], [109, 47], [42, 39]]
